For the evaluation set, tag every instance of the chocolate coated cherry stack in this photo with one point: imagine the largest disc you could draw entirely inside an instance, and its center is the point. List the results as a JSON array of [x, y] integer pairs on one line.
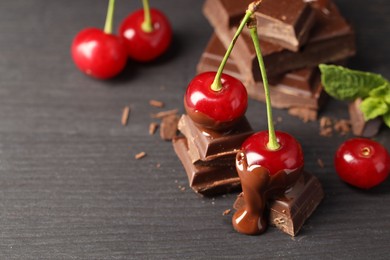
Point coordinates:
[[217, 137]]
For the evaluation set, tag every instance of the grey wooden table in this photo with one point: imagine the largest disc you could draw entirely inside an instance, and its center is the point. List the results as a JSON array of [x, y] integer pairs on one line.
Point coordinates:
[[70, 187]]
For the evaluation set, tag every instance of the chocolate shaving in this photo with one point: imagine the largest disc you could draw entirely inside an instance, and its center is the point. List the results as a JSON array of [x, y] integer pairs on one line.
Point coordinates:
[[320, 163], [125, 115], [140, 155], [163, 114], [226, 212], [152, 128], [306, 114], [156, 103]]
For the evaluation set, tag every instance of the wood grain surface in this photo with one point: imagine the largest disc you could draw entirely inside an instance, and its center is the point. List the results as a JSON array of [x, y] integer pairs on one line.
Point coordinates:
[[70, 187]]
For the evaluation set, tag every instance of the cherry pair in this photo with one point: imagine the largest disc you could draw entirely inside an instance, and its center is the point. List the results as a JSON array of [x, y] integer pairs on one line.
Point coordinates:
[[216, 100], [143, 36]]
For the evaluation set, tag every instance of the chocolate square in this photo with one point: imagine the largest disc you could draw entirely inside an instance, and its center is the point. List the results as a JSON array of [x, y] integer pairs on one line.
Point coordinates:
[[290, 211], [206, 144], [284, 22], [208, 180]]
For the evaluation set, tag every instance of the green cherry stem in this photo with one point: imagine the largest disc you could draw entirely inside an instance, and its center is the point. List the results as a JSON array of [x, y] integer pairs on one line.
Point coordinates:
[[147, 25], [217, 84], [110, 15], [272, 141]]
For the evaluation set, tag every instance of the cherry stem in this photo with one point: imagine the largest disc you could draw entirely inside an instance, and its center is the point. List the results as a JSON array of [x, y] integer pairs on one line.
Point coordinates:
[[217, 84], [147, 25], [272, 141], [109, 18]]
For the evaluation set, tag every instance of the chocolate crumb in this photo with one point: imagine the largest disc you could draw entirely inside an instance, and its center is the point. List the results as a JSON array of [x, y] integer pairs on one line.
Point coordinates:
[[168, 129], [342, 126], [140, 155], [183, 188], [327, 131], [163, 114], [152, 128], [125, 115], [325, 121], [320, 163], [305, 114], [226, 212], [326, 128], [156, 103]]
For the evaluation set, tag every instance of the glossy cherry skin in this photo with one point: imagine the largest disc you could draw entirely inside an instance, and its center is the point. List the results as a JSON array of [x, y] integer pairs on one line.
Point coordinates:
[[362, 162], [288, 157], [98, 54], [215, 109], [146, 46]]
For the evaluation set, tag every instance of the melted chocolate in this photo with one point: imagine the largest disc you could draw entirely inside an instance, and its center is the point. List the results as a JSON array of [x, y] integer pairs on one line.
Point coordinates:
[[258, 187], [204, 121]]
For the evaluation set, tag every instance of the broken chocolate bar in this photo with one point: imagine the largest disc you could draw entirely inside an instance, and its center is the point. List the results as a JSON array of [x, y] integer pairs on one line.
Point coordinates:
[[299, 88], [203, 179], [290, 211], [332, 39], [207, 144], [360, 126], [284, 22]]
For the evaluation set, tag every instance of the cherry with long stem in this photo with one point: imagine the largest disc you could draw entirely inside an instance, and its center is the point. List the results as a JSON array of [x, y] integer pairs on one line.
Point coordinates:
[[216, 100]]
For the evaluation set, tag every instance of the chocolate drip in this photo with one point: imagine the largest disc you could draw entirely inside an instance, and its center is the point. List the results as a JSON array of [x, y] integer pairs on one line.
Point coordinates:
[[258, 186]]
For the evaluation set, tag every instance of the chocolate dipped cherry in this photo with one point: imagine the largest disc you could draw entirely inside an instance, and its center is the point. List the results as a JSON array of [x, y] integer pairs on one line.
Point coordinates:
[[362, 162], [99, 53], [218, 108], [269, 163], [147, 33], [215, 100]]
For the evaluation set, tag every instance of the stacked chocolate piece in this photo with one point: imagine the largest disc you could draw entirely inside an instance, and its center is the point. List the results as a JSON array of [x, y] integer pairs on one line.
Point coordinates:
[[295, 36], [208, 156]]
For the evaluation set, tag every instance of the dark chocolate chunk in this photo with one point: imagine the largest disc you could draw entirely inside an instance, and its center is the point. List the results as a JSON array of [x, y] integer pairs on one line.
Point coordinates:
[[168, 128], [284, 22], [332, 39], [361, 127], [290, 211], [207, 144], [207, 180]]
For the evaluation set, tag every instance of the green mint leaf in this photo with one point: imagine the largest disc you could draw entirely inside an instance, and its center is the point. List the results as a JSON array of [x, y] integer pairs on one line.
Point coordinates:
[[346, 84], [373, 107], [386, 118], [381, 92]]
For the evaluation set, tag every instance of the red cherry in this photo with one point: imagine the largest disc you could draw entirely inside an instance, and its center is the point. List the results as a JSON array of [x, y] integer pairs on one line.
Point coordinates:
[[287, 157], [98, 54], [146, 46], [362, 162], [215, 109]]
